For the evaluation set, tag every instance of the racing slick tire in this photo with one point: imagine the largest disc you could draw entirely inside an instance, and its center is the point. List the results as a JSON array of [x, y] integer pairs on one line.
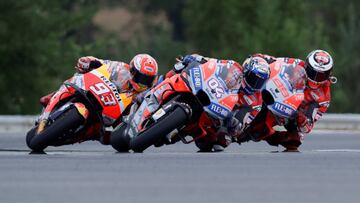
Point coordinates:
[[150, 136], [119, 140], [66, 122]]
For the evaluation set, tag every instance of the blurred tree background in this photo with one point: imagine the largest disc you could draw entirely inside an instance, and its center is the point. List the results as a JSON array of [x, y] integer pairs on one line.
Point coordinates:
[[41, 40]]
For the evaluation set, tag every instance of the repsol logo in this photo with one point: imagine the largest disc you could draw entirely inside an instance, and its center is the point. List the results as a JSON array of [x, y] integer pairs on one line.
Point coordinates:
[[113, 88]]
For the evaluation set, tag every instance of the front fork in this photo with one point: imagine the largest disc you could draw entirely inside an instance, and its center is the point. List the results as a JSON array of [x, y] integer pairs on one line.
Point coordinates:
[[200, 134], [170, 107], [44, 119]]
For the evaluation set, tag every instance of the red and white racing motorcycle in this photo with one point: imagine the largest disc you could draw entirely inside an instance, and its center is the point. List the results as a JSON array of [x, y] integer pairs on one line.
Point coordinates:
[[82, 108], [282, 96]]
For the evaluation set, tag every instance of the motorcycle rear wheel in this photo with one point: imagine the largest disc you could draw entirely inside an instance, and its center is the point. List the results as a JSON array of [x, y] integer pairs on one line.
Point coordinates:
[[69, 120], [150, 136]]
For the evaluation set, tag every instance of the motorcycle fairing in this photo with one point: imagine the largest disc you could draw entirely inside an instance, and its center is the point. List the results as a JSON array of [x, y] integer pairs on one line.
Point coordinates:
[[97, 82], [287, 97], [206, 78]]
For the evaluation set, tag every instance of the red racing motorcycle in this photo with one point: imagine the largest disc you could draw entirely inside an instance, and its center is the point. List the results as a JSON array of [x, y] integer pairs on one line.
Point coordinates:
[[189, 106], [282, 96], [82, 108]]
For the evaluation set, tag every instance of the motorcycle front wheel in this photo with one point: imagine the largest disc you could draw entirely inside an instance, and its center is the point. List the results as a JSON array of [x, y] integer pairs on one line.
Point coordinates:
[[119, 140], [66, 122], [150, 136]]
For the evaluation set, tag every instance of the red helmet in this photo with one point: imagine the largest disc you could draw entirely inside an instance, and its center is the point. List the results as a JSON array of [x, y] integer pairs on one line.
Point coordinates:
[[318, 66], [144, 70]]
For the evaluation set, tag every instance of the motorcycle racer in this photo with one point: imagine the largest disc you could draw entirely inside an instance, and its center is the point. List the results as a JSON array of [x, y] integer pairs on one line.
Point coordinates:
[[249, 80], [136, 77], [318, 66]]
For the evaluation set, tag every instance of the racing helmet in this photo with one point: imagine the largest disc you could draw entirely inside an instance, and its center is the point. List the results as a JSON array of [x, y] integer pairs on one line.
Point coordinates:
[[318, 67], [144, 70], [256, 73]]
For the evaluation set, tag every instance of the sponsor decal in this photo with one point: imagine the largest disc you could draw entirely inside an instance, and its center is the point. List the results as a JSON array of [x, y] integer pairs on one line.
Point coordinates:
[[274, 92], [283, 109], [112, 87], [158, 114], [160, 91], [321, 58], [248, 100], [196, 78], [215, 87], [314, 96], [218, 110], [257, 108], [149, 69], [299, 96], [325, 104], [281, 87]]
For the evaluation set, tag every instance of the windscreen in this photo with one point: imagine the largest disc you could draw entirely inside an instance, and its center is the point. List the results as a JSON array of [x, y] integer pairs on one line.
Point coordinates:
[[230, 75], [295, 76]]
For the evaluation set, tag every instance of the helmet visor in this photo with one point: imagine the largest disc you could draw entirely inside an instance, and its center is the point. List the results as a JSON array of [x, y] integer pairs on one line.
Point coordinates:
[[254, 81], [317, 76], [141, 78]]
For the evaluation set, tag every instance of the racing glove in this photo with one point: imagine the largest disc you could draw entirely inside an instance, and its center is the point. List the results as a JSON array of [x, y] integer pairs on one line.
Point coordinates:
[[183, 62], [303, 123], [188, 59], [87, 63], [234, 126], [139, 98]]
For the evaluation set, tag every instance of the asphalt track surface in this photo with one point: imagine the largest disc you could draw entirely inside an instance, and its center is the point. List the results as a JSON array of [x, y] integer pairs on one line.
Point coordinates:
[[326, 170]]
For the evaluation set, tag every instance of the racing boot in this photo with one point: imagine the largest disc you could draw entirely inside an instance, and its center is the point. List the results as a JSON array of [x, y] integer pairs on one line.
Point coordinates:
[[222, 142], [218, 148], [290, 140], [293, 142]]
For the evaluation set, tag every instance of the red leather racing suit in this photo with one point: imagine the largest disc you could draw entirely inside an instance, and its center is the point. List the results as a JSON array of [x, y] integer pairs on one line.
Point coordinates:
[[315, 104]]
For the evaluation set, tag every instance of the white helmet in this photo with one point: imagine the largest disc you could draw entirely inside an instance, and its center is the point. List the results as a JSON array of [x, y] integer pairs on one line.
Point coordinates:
[[318, 66]]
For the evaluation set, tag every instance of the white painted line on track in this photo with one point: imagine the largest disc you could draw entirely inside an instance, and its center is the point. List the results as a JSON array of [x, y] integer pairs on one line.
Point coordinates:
[[338, 150], [332, 132]]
